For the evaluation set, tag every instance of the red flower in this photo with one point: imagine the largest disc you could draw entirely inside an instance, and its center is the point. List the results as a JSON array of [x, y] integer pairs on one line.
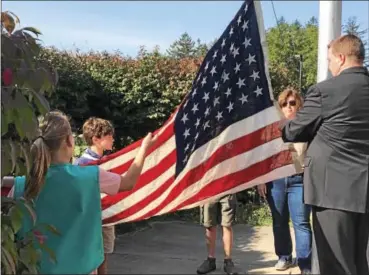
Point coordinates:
[[7, 77], [41, 238]]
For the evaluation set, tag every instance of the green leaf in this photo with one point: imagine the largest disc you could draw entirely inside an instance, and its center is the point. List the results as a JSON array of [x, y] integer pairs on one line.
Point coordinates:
[[41, 102], [49, 251], [7, 261], [52, 229], [16, 218], [29, 208], [33, 30]]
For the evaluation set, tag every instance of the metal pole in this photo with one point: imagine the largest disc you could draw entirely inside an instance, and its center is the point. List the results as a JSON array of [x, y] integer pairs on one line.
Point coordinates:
[[330, 24]]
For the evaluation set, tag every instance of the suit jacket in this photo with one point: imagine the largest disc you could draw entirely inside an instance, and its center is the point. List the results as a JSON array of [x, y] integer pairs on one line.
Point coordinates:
[[335, 122]]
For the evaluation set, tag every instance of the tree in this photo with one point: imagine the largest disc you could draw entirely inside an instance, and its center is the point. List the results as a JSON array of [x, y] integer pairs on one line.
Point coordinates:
[[286, 42], [25, 80], [201, 49], [183, 47], [353, 27]]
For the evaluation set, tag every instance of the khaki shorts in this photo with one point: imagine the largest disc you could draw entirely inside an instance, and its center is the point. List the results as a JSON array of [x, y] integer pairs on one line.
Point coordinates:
[[108, 239], [220, 212]]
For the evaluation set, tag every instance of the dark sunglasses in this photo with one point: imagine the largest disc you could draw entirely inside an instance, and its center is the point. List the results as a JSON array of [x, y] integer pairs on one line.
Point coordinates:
[[291, 103]]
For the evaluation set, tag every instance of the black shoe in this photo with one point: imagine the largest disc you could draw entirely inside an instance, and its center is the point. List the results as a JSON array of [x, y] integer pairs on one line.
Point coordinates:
[[207, 266], [229, 267]]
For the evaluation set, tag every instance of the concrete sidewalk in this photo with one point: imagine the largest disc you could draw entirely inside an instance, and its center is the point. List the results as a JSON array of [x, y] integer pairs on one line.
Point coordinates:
[[179, 248]]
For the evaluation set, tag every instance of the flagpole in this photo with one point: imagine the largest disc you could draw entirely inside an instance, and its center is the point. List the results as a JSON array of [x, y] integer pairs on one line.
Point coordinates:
[[330, 22]]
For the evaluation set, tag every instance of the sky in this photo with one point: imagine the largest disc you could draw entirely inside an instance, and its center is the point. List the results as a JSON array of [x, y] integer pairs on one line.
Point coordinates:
[[126, 25]]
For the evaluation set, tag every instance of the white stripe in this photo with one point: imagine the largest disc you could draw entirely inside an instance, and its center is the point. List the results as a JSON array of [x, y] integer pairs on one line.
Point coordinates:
[[281, 172], [120, 160]]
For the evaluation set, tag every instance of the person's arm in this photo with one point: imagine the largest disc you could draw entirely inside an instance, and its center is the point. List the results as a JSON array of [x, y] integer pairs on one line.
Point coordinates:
[[111, 183], [307, 121]]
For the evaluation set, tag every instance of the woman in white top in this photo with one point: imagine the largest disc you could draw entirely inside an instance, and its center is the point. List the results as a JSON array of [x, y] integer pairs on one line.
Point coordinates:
[[285, 199]]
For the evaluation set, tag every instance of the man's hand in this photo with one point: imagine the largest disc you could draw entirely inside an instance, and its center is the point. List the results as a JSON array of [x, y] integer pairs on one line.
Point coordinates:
[[262, 190]]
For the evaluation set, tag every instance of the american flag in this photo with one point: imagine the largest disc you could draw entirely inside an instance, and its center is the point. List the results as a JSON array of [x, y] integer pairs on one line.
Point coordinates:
[[222, 139]]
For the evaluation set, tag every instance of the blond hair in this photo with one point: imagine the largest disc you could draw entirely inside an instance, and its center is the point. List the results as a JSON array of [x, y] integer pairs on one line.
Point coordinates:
[[54, 129], [286, 93], [349, 45]]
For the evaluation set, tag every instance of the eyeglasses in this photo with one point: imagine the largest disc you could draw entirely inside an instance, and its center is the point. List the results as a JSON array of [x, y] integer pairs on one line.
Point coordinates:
[[292, 103]]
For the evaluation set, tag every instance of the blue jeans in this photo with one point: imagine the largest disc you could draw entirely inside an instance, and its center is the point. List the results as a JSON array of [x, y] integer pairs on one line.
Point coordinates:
[[285, 199]]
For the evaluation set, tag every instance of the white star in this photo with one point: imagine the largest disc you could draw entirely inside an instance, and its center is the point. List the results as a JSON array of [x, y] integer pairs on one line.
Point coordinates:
[[225, 77], [206, 97], [231, 31], [185, 159], [203, 82], [251, 59], [194, 108], [187, 147], [206, 125], [258, 91], [194, 92], [198, 78], [184, 118], [197, 123], [246, 8], [247, 42], [223, 58], [229, 92], [245, 25], [255, 75], [235, 52], [207, 66], [239, 20], [237, 68], [219, 116], [241, 82], [213, 71], [186, 133], [231, 48], [244, 98], [196, 137], [216, 86], [184, 105], [207, 111], [215, 54], [193, 147], [223, 42], [230, 107], [216, 101]]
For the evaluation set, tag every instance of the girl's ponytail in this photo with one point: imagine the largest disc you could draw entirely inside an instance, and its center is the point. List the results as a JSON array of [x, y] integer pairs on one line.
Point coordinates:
[[41, 159]]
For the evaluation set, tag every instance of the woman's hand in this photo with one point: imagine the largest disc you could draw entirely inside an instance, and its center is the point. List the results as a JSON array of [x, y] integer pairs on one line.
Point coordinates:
[[262, 190]]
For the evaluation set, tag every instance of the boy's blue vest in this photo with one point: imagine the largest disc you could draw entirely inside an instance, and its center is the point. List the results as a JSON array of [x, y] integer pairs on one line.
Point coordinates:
[[70, 201]]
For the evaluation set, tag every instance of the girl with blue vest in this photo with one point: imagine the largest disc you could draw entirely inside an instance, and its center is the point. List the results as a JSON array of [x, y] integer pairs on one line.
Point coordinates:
[[67, 196]]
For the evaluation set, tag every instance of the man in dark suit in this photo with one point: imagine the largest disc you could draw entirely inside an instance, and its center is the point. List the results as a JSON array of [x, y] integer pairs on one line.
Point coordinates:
[[335, 122]]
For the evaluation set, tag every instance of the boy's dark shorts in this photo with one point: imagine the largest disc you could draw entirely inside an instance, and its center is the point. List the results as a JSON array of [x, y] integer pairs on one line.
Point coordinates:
[[219, 212]]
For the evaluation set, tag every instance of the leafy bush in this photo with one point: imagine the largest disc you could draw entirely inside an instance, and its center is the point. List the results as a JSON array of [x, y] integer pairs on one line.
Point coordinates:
[[25, 80]]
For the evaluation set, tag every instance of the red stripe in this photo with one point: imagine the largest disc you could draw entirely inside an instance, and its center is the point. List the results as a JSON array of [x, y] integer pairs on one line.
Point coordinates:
[[240, 177], [231, 149], [145, 178]]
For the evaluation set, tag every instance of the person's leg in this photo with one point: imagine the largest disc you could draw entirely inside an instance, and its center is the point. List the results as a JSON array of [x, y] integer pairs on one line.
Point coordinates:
[[209, 218], [335, 235], [108, 240], [300, 216], [362, 244], [277, 201], [228, 206]]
